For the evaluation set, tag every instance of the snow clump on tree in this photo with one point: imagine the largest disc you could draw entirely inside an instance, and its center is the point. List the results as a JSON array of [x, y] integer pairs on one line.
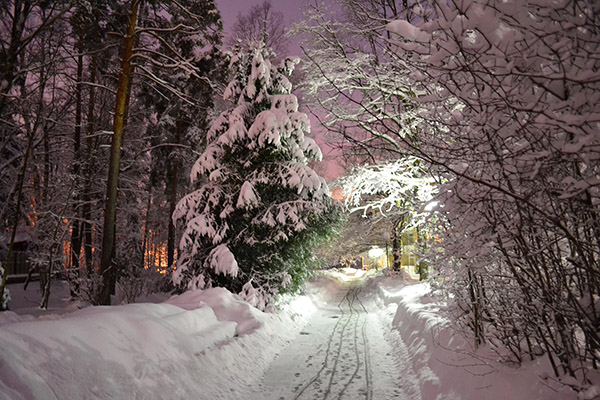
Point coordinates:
[[5, 300], [260, 209]]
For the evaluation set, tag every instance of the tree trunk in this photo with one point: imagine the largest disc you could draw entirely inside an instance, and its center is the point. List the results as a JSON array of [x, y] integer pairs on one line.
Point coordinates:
[[87, 197], [76, 171], [146, 224], [477, 325], [173, 198], [396, 250], [47, 166], [110, 209], [422, 266], [397, 229], [46, 278]]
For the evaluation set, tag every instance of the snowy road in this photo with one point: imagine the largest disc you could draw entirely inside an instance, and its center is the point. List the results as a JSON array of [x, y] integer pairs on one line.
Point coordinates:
[[341, 353], [377, 338]]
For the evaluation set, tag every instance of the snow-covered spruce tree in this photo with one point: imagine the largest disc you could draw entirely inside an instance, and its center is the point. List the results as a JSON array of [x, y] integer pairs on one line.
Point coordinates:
[[260, 209]]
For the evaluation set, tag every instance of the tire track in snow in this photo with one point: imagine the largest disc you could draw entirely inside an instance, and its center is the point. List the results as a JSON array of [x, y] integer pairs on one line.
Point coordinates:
[[350, 336], [328, 351], [340, 354], [350, 297], [365, 349]]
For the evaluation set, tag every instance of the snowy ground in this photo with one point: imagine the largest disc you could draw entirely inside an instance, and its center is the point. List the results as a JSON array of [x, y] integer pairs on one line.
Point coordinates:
[[349, 337], [340, 353]]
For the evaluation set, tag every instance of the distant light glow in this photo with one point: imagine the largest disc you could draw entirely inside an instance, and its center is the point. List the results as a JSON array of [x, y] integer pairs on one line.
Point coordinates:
[[376, 252], [352, 274]]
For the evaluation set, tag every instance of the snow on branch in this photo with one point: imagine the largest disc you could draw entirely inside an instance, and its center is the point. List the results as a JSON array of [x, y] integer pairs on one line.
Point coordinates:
[[248, 197], [222, 261], [402, 184]]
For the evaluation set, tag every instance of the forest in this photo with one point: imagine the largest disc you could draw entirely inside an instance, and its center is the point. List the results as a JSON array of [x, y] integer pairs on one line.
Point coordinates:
[[142, 151]]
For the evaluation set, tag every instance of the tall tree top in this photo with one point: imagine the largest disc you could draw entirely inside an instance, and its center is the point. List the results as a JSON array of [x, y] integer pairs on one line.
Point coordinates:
[[261, 24]]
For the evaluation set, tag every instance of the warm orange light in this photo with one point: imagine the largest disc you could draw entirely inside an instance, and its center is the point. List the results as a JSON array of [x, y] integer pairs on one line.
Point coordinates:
[[338, 194], [32, 217], [156, 256], [67, 254], [156, 253]]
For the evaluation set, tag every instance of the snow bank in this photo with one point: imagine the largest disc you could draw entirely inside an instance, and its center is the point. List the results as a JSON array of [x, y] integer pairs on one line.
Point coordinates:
[[212, 345], [446, 365], [227, 308], [193, 345]]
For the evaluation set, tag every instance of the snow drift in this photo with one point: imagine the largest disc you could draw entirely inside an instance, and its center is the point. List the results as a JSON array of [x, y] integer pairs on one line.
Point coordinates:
[[212, 345], [193, 345], [446, 365]]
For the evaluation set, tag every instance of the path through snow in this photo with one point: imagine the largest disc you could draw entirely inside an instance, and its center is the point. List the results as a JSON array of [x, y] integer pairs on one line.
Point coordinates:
[[377, 338], [341, 353]]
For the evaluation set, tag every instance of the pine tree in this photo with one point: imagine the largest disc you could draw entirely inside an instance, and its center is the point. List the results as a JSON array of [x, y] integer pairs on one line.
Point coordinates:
[[260, 209]]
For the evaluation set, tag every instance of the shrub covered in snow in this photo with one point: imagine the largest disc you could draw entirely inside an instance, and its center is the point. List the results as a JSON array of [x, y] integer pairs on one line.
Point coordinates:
[[259, 209], [509, 117], [499, 97], [5, 300]]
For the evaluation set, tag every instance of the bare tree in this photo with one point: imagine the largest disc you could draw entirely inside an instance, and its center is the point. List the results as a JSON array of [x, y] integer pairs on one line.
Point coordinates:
[[496, 98], [25, 72], [396, 192], [261, 23], [359, 90]]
